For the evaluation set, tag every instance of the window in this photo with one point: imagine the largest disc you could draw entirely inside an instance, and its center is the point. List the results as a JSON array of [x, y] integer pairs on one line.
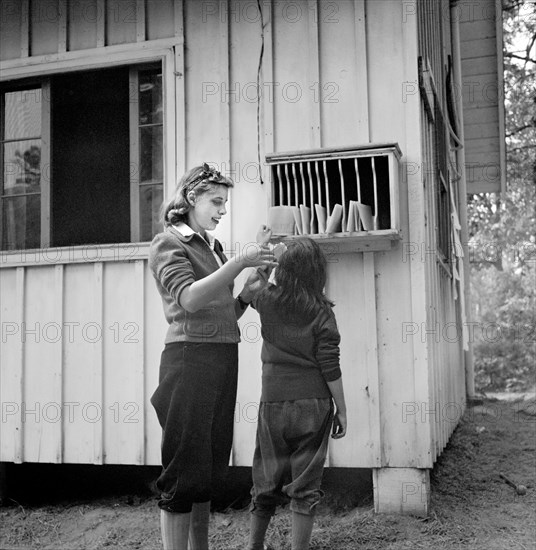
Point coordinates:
[[20, 152], [82, 158], [146, 152], [437, 149]]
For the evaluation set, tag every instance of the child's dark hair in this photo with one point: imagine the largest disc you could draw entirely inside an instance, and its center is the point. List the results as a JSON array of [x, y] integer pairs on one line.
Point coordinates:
[[199, 179], [300, 279]]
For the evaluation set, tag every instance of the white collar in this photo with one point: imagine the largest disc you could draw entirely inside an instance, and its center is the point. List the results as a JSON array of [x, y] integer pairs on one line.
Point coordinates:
[[186, 231]]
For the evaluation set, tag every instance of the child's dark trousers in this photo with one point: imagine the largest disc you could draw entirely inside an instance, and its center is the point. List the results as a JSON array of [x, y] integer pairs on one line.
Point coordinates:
[[290, 451]]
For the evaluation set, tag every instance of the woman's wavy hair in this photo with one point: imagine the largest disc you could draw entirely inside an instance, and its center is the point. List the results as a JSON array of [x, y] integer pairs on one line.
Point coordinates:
[[300, 277], [199, 179]]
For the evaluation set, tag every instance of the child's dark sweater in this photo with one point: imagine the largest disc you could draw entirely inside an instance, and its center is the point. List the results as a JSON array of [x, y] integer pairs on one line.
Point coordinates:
[[297, 358]]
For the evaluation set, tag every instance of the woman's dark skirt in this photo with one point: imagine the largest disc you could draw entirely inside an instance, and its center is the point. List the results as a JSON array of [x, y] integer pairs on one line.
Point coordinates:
[[195, 402]]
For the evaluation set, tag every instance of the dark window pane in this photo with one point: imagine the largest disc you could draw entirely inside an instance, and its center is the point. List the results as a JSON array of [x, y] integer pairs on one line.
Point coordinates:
[[150, 202], [21, 218], [151, 154], [22, 167], [90, 158], [150, 98], [23, 114]]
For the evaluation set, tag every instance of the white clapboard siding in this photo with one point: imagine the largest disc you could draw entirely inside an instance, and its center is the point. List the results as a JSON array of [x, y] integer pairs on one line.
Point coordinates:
[[123, 363], [342, 92], [12, 364], [208, 90], [40, 335], [293, 98], [82, 388], [351, 286]]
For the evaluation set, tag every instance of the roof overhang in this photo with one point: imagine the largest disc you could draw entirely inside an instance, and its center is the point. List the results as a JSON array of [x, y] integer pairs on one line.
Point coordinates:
[[481, 52]]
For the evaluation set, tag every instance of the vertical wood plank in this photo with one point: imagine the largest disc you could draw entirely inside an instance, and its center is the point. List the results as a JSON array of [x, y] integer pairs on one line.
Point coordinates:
[[343, 197], [98, 363], [101, 23], [373, 385], [225, 109], [18, 377], [318, 185], [431, 317], [279, 202], [267, 76], [159, 19], [296, 193], [62, 26], [25, 28], [178, 21], [362, 70], [311, 198], [328, 202], [357, 182], [415, 214], [140, 20], [433, 321], [394, 186], [345, 286], [294, 107], [179, 105], [305, 196], [46, 154], [10, 31], [280, 185], [289, 202], [139, 276], [313, 72], [57, 383], [375, 185], [133, 107], [172, 148], [155, 327]]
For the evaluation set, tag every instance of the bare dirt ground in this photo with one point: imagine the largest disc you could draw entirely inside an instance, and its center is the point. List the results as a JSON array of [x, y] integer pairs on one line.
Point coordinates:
[[471, 508]]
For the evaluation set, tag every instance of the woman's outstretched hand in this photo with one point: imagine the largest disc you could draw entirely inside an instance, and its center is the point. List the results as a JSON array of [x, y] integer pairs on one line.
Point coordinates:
[[259, 254], [256, 255]]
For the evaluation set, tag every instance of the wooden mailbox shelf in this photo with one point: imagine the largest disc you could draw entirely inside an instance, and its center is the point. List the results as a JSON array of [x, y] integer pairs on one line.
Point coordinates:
[[358, 241]]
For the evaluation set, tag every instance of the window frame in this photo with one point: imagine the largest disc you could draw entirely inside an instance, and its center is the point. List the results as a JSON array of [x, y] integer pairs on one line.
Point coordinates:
[[435, 111], [36, 71], [136, 184], [44, 182]]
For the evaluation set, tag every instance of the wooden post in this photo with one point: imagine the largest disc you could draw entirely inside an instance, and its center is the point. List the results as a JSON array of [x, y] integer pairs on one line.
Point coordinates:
[[401, 491]]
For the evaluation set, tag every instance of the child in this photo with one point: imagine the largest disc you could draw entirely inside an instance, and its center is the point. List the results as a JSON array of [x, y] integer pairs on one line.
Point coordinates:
[[300, 376], [196, 395]]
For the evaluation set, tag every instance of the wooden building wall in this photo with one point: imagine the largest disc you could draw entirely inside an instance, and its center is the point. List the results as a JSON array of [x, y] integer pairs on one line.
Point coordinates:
[[331, 74], [78, 356], [444, 329]]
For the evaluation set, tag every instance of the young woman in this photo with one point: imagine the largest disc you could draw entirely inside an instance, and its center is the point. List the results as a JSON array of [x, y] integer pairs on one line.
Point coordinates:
[[195, 398], [300, 377]]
